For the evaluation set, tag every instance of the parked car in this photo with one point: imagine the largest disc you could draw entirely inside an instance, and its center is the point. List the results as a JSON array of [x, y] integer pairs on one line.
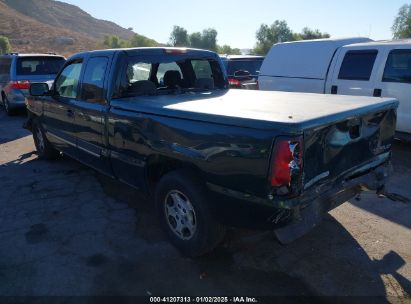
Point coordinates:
[[210, 156], [17, 71], [242, 70], [345, 67]]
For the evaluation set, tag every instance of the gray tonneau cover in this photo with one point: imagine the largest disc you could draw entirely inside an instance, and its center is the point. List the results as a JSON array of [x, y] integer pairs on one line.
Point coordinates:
[[259, 109]]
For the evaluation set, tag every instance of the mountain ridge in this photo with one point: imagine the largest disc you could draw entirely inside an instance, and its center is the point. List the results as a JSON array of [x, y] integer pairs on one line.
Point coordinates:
[[54, 26]]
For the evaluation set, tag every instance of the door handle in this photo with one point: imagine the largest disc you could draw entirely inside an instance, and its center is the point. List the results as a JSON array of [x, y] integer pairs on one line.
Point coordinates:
[[334, 89], [70, 113], [83, 116], [377, 93]]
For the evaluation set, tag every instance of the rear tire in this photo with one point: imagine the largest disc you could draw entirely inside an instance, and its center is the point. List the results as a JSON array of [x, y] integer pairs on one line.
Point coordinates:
[[185, 215], [45, 149], [6, 106]]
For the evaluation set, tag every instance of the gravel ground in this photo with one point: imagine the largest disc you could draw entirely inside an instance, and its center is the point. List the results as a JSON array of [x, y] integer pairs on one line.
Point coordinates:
[[67, 230]]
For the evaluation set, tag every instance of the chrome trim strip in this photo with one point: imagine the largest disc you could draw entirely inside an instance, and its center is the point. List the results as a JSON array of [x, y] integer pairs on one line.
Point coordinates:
[[73, 145], [88, 151], [61, 139]]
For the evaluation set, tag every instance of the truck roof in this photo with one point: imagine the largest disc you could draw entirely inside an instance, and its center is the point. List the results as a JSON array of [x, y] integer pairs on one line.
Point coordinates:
[[153, 51], [304, 59], [398, 42]]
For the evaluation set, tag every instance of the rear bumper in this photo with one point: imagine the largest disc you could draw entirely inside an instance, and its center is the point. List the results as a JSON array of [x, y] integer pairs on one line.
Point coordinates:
[[294, 217], [309, 215]]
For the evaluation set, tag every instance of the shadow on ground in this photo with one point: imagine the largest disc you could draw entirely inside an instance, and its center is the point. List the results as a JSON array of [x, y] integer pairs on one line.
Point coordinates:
[[67, 230]]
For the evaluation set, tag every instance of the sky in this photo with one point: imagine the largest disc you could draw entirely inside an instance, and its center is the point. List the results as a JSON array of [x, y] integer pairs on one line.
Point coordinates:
[[237, 21]]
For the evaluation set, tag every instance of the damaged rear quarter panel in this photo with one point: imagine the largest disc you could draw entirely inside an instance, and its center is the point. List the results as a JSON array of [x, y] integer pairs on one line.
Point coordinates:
[[332, 150], [233, 157]]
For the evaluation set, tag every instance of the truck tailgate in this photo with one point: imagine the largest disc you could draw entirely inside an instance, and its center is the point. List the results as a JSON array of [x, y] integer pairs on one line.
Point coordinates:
[[336, 150]]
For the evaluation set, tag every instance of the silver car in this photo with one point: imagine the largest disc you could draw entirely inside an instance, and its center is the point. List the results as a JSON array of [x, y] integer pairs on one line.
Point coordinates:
[[17, 71]]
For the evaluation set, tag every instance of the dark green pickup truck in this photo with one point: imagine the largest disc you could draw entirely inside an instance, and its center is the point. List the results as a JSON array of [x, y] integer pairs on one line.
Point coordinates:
[[163, 120]]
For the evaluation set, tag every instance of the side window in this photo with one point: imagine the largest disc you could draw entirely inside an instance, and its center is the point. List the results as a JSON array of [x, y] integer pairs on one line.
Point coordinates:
[[398, 67], [138, 71], [202, 68], [92, 89], [357, 65], [67, 83]]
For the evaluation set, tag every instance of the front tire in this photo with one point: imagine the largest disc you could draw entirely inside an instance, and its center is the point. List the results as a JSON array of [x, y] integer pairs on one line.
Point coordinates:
[[44, 148], [185, 215]]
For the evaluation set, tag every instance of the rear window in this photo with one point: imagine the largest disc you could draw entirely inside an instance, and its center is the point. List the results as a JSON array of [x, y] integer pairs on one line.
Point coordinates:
[[251, 66], [39, 65], [398, 67], [358, 65], [159, 75]]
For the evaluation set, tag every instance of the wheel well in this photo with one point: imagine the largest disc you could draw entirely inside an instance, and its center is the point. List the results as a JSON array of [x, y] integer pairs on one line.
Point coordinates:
[[158, 166]]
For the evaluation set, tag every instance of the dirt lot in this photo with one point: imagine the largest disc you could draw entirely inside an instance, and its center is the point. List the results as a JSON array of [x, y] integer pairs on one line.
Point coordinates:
[[67, 230]]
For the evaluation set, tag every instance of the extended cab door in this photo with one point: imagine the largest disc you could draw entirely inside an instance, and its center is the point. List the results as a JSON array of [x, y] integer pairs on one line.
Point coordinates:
[[89, 114], [394, 80], [58, 118], [354, 72]]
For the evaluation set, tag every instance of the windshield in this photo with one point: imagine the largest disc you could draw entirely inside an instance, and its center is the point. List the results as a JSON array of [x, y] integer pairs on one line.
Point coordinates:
[[39, 65], [157, 75], [250, 65]]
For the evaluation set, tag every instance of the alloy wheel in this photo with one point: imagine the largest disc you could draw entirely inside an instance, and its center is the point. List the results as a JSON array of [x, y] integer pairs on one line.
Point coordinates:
[[180, 215]]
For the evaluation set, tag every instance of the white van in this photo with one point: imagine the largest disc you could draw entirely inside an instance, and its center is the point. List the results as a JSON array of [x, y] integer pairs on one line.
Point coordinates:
[[345, 66]]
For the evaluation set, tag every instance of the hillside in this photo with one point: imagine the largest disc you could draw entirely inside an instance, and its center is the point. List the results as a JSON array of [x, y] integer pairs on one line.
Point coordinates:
[[63, 15], [53, 26]]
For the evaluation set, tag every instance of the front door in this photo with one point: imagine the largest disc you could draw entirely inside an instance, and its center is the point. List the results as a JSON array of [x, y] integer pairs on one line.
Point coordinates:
[[89, 112], [395, 81], [58, 119]]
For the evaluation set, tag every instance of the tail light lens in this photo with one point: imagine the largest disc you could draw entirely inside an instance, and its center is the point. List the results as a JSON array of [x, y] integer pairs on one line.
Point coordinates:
[[20, 84], [234, 82], [287, 165]]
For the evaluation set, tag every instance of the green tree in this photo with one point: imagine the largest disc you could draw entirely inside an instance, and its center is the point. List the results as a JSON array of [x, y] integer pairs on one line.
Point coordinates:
[[402, 23], [141, 41], [196, 40], [227, 50], [209, 39], [308, 34], [206, 40], [268, 35], [5, 46], [114, 42], [179, 36]]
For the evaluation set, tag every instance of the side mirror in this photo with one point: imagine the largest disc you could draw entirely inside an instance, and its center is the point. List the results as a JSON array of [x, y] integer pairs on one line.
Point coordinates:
[[39, 89]]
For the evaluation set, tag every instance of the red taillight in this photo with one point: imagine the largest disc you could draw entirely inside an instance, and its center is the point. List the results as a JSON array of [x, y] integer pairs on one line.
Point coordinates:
[[20, 84], [286, 165], [234, 82], [280, 171]]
